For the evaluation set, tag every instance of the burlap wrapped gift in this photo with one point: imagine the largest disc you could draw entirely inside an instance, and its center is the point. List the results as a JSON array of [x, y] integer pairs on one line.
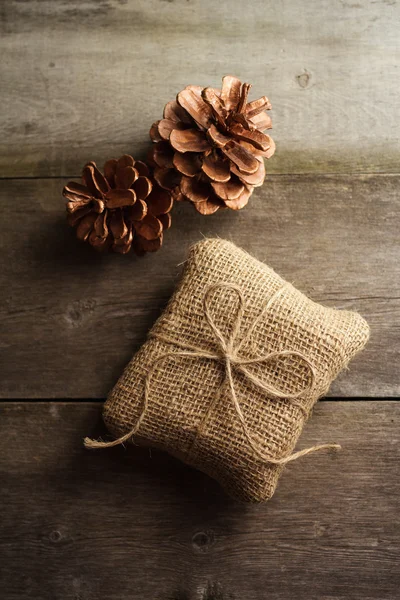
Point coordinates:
[[231, 370]]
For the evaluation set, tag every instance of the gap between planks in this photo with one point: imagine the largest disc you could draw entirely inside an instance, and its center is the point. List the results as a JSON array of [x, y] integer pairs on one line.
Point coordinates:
[[269, 175], [102, 400]]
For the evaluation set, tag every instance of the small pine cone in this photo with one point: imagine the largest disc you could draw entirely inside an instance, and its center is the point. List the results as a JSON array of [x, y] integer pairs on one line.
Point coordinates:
[[210, 147], [121, 209]]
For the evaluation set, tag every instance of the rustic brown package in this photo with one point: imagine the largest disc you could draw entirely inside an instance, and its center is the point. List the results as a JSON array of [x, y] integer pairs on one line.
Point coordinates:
[[232, 369]]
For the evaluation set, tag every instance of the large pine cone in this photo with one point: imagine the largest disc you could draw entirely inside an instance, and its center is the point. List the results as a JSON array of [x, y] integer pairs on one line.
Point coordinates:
[[210, 146], [124, 208]]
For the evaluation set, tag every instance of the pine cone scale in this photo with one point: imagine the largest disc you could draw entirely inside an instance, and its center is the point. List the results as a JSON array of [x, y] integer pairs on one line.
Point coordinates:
[[217, 106], [195, 189], [166, 126], [244, 160], [85, 226], [142, 168], [137, 212], [230, 92], [189, 140], [257, 106], [74, 218], [166, 178], [216, 168], [255, 179], [165, 220], [159, 203], [125, 177], [229, 191], [187, 163], [117, 225], [76, 205], [261, 121], [149, 228], [142, 187], [216, 138], [100, 226], [77, 191], [94, 180], [174, 112], [210, 206], [190, 99], [119, 198], [241, 201], [256, 138], [163, 155]]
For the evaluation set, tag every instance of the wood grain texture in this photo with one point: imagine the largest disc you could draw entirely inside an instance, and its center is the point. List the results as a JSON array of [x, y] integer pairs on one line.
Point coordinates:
[[121, 524], [70, 319], [85, 80]]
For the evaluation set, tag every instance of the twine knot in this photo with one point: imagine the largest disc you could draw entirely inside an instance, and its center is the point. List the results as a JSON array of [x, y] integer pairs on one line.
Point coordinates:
[[231, 357], [228, 354]]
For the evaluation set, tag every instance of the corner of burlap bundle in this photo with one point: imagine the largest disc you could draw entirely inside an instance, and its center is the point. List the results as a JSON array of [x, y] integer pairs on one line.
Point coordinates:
[[231, 370]]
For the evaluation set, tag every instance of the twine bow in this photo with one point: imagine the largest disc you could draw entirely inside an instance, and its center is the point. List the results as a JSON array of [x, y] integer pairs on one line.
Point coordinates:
[[228, 354]]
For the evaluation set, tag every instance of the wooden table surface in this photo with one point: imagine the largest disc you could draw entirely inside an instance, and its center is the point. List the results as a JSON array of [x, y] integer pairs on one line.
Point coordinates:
[[83, 80]]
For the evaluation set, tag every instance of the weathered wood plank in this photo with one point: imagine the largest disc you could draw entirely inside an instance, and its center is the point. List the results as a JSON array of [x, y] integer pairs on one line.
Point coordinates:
[[121, 524], [70, 318], [85, 80]]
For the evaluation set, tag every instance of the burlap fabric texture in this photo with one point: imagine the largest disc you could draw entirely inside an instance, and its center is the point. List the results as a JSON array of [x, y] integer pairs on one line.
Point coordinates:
[[232, 369]]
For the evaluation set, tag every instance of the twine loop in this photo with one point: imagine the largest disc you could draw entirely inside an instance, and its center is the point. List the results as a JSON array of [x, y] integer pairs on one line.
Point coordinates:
[[228, 354]]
